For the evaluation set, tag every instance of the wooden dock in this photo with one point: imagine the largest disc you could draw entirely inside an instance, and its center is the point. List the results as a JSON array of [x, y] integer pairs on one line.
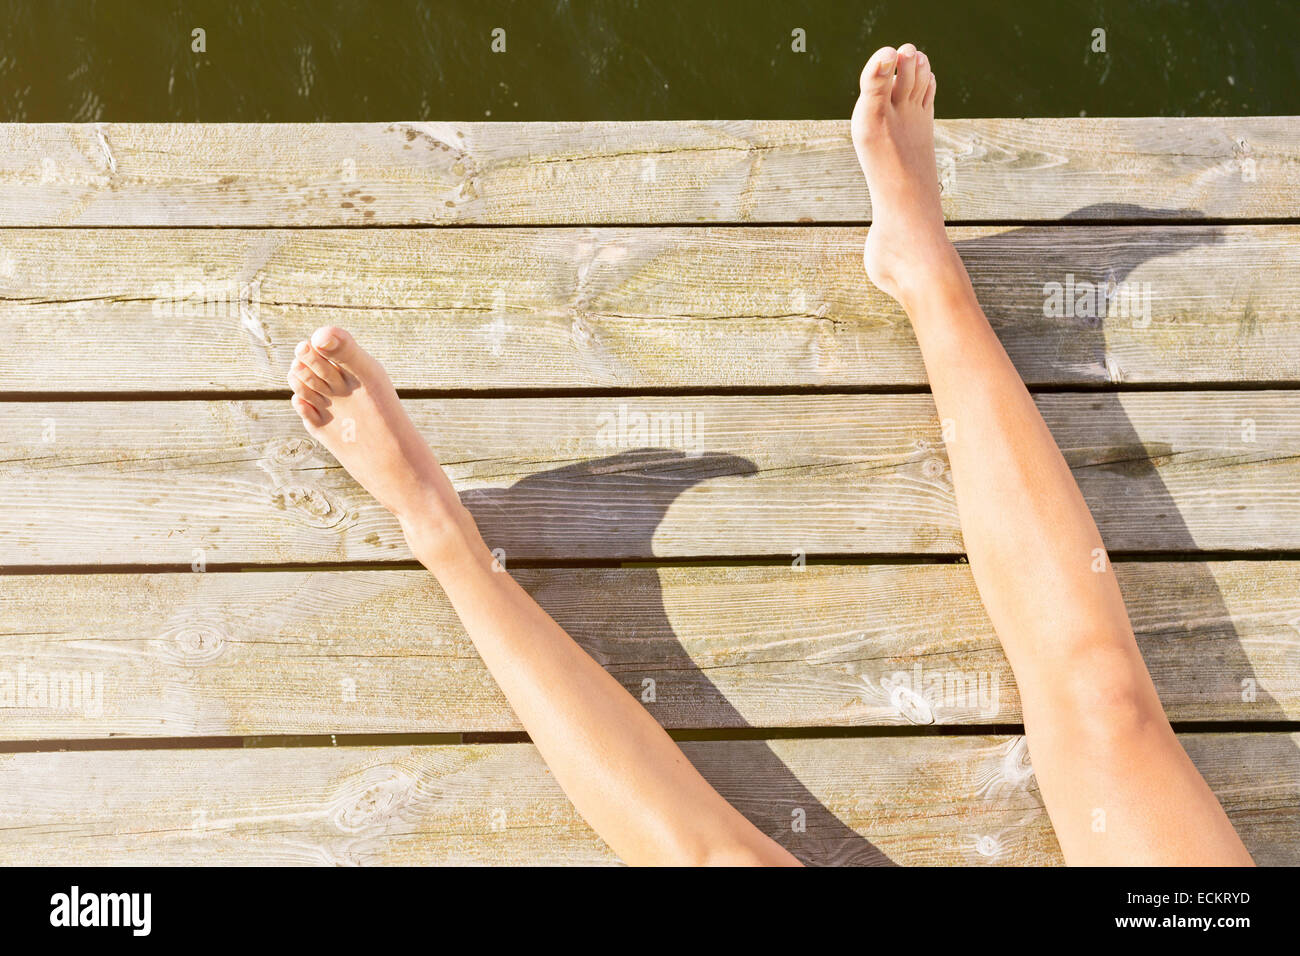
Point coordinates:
[[650, 360]]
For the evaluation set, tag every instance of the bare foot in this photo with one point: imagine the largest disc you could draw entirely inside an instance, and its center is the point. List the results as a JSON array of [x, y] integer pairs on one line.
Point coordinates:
[[893, 133], [347, 402]]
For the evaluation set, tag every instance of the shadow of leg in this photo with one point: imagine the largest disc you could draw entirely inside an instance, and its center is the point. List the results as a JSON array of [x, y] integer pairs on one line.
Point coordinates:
[[627, 495], [1191, 644]]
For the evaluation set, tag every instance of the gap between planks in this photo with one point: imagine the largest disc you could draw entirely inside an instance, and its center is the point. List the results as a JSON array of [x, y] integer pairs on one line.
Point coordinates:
[[1118, 222], [703, 391], [499, 738], [737, 561]]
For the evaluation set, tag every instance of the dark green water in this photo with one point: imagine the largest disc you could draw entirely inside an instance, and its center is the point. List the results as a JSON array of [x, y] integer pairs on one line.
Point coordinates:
[[64, 60]]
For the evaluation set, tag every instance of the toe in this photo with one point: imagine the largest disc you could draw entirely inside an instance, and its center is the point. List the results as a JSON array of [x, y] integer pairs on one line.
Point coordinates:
[[335, 344], [923, 74], [355, 364], [928, 100], [906, 77], [306, 411], [325, 370], [313, 386], [877, 79]]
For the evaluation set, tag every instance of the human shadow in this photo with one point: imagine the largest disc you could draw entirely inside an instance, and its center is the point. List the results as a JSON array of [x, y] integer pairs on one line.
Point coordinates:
[[1189, 639], [625, 497]]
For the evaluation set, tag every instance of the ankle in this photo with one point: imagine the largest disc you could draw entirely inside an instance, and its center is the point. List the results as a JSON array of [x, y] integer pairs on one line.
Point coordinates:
[[938, 276], [442, 535]]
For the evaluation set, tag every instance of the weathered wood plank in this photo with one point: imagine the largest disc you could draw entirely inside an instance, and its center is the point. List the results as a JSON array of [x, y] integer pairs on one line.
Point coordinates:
[[953, 801], [230, 482], [596, 173], [283, 653], [572, 308]]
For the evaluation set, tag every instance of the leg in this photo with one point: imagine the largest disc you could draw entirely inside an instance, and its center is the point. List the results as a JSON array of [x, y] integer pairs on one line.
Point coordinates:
[[1096, 730], [625, 775]]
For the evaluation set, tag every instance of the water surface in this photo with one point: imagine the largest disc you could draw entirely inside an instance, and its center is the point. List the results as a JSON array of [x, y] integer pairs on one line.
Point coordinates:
[[332, 60]]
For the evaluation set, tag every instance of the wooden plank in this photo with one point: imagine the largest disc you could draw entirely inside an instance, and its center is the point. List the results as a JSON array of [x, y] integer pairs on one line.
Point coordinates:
[[284, 653], [233, 482], [631, 308], [235, 174], [952, 801]]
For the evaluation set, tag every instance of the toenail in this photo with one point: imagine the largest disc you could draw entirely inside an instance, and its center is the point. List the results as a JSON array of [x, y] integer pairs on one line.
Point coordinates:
[[328, 342], [301, 348], [886, 65]]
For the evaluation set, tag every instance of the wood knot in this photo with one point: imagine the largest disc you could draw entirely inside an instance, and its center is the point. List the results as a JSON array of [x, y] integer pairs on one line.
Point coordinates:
[[290, 451], [581, 333], [372, 796], [988, 846], [192, 641], [1016, 768], [311, 503], [910, 704]]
